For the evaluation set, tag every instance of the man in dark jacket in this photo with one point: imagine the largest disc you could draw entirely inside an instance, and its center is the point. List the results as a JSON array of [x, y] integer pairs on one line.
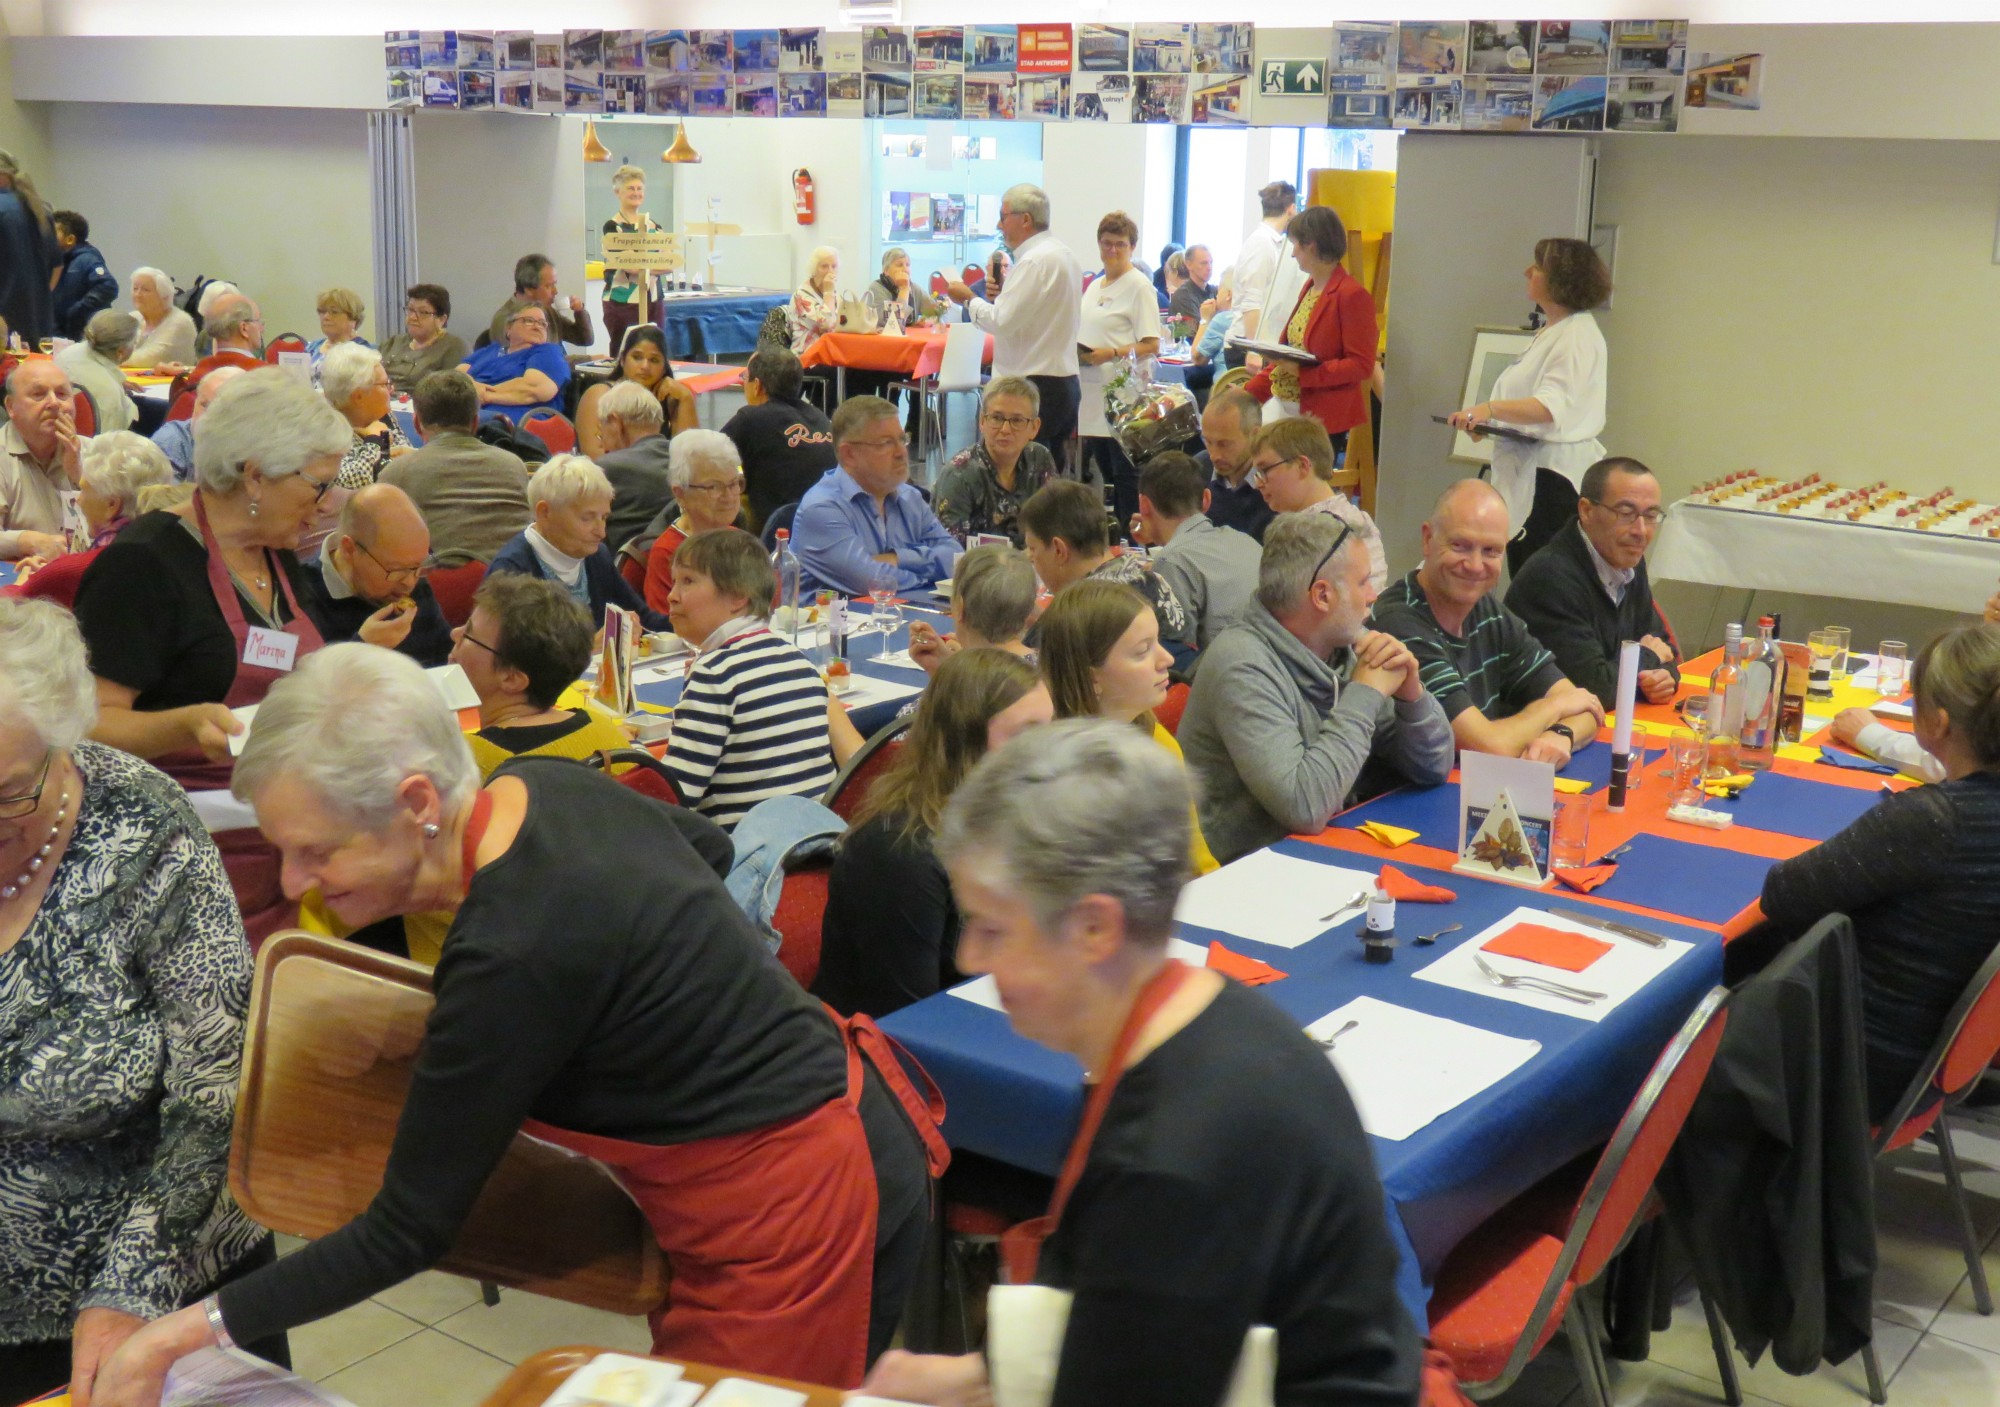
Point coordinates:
[[86, 285], [1586, 590], [369, 585]]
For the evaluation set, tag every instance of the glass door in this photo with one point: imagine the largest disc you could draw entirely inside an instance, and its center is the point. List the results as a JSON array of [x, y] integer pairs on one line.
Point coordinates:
[[937, 192]]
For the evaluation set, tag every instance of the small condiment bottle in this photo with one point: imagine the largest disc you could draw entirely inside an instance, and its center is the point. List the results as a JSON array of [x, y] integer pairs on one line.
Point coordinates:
[[1378, 937]]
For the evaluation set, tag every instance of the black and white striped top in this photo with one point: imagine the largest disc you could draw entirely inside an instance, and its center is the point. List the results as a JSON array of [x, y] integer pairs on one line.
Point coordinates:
[[751, 723]]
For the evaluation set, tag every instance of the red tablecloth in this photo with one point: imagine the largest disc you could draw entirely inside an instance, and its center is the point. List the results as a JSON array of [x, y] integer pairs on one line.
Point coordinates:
[[915, 354]]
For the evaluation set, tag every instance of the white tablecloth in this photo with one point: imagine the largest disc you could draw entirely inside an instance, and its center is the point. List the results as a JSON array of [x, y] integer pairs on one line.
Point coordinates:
[[1849, 561]]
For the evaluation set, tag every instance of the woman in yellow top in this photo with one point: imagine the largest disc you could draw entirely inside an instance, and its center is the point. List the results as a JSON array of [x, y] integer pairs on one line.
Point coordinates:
[[1102, 658]]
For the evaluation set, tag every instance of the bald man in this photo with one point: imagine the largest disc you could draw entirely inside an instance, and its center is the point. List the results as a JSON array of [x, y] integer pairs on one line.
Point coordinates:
[[370, 584], [176, 437], [1501, 690], [40, 460]]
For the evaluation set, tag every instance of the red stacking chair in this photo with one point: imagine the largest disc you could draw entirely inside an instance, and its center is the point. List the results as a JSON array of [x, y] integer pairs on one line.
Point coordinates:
[[85, 410], [283, 342], [1505, 1290], [1170, 710], [641, 771], [454, 588], [801, 915], [552, 428], [182, 407], [843, 798]]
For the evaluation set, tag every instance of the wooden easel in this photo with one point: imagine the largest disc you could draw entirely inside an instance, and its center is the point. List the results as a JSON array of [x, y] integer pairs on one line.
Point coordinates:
[[1361, 439]]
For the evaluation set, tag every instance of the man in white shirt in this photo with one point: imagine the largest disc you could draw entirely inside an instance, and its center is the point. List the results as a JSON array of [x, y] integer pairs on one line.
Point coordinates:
[[39, 460], [1034, 319], [1260, 261]]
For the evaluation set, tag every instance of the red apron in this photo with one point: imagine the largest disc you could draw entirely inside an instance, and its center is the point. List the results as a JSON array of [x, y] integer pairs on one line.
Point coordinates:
[[1021, 1245], [251, 861], [770, 1234]]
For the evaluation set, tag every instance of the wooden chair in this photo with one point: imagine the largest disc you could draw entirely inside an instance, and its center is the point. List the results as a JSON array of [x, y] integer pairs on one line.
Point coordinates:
[[843, 797], [334, 1030]]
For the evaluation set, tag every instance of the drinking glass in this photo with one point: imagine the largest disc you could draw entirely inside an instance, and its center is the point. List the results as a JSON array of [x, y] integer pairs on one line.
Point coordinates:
[[1893, 667], [1825, 648], [882, 598], [1842, 638], [1569, 843], [1689, 751], [1694, 712]]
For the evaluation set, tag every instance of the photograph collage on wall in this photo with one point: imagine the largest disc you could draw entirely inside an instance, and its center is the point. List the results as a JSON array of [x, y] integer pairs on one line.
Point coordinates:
[[1413, 75]]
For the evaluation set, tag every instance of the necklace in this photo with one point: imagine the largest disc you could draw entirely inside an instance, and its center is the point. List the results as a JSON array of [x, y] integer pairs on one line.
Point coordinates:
[[40, 857]]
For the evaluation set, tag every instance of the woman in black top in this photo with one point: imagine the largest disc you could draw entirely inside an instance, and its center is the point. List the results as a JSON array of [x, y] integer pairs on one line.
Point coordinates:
[[1920, 873], [1228, 1182], [600, 988], [642, 359], [891, 928]]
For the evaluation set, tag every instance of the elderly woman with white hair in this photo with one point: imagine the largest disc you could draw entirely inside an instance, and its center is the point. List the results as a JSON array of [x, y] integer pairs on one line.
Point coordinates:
[[600, 990], [1220, 1178], [121, 1030], [705, 476], [194, 611], [815, 307], [355, 383], [166, 334], [571, 502], [115, 468], [96, 365]]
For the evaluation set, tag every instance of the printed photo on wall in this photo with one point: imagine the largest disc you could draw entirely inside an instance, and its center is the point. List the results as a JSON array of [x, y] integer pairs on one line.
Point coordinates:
[[990, 97], [1428, 102], [1161, 48], [709, 95], [756, 94], [940, 48], [1223, 48], [667, 51], [517, 91], [801, 50], [1643, 102], [624, 94], [885, 48], [885, 95], [802, 94], [514, 50], [1501, 46], [755, 50], [947, 214], [1573, 46], [1423, 47], [670, 95], [896, 217], [1364, 48], [408, 53], [624, 50], [843, 95], [1042, 97], [404, 87], [710, 50], [1103, 48], [1160, 97], [1725, 81], [1219, 101], [1100, 97], [548, 51], [475, 50], [940, 96], [1499, 103], [1358, 100], [441, 87], [438, 49], [475, 88], [583, 49], [990, 48], [551, 85], [583, 91], [1044, 48], [1568, 104], [1649, 46]]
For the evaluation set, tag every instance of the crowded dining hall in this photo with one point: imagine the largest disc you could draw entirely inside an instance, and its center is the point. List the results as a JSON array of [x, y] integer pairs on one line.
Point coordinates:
[[910, 710]]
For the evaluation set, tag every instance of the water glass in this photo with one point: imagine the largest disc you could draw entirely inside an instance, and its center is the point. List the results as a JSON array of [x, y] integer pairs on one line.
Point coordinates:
[[1842, 639], [1825, 649], [1892, 668], [1694, 713], [1689, 751], [1569, 843]]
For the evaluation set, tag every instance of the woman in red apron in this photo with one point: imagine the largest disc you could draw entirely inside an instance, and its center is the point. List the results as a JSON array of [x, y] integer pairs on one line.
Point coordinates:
[[600, 990], [1219, 1178], [192, 612]]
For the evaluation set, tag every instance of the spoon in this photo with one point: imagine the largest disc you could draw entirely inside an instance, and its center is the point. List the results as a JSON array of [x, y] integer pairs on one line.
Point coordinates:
[[1427, 939], [1326, 1042]]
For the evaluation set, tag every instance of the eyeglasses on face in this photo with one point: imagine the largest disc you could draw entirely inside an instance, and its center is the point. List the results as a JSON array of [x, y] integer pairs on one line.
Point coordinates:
[[1259, 471], [897, 442], [1627, 515], [14, 807], [1008, 422], [393, 573], [734, 485]]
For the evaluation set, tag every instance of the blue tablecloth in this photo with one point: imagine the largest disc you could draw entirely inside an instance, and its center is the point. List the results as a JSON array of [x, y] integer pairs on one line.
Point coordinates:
[[1798, 806], [1705, 883], [6, 573], [717, 325], [1016, 1101]]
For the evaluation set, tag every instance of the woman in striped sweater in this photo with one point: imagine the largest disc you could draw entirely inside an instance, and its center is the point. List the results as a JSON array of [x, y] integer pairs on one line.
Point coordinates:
[[752, 719]]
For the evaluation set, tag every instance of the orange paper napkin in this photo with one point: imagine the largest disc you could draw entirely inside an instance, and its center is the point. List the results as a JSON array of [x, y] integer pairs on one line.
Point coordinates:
[[1398, 885], [1552, 947], [1251, 972], [1585, 878]]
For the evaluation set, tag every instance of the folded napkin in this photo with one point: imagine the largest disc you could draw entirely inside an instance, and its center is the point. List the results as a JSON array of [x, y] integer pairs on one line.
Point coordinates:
[[1249, 971], [1398, 885], [1572, 785], [1835, 758], [1383, 834], [1552, 947], [1585, 878]]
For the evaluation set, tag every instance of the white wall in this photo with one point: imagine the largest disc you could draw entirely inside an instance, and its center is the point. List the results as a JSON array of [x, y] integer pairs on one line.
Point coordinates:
[[276, 200], [1090, 169], [24, 128], [748, 165]]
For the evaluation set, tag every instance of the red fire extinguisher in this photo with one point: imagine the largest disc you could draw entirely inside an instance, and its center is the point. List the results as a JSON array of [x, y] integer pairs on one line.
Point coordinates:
[[802, 195]]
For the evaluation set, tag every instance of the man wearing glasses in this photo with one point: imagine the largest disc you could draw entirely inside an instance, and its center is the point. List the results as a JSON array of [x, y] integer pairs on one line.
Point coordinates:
[[1586, 590], [370, 584], [863, 522], [1299, 698]]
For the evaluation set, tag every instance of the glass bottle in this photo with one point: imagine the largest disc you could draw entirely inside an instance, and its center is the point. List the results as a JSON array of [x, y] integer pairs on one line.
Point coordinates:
[[1763, 684], [786, 564], [1725, 705]]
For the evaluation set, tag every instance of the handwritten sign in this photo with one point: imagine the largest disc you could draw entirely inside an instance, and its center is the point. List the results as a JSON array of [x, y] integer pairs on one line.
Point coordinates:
[[652, 249], [270, 649]]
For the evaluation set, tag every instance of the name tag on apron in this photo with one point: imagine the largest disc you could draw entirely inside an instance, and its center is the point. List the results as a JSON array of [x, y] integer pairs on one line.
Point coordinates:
[[270, 649]]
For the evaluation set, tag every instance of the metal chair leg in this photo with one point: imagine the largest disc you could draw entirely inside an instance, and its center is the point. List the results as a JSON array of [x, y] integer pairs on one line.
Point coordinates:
[[489, 1292], [1725, 1361], [1975, 1267], [1589, 1365], [1877, 1393]]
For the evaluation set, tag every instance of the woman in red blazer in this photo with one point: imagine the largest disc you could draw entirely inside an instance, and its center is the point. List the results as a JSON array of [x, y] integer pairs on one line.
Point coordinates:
[[1334, 319]]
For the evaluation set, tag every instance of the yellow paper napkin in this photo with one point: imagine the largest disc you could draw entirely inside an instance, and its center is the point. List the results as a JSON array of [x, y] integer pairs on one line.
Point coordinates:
[[1572, 785], [1391, 836]]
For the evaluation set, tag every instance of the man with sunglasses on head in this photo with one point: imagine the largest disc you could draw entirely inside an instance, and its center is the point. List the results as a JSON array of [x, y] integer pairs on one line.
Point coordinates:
[[370, 584], [1300, 708], [1586, 590]]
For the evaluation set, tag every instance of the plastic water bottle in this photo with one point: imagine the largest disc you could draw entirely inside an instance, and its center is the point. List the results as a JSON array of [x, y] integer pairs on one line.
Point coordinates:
[[1725, 706], [1763, 683], [786, 564]]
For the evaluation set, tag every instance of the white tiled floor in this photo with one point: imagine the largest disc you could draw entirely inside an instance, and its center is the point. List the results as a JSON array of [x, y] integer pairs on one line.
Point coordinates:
[[432, 1340]]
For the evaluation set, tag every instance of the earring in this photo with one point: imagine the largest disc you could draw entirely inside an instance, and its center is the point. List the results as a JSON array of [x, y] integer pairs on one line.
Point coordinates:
[[431, 830], [253, 507]]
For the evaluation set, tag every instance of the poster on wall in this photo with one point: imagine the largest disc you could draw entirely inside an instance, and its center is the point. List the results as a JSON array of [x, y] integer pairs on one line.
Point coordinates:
[[1100, 97], [990, 48], [885, 49], [1649, 46], [475, 49], [551, 82], [1498, 102], [667, 51], [1042, 97], [755, 50], [885, 95], [799, 50], [990, 97], [1219, 100], [624, 94], [1429, 48], [403, 48], [756, 93], [583, 91], [583, 50], [1573, 46], [1428, 102], [1044, 48], [1160, 97], [475, 90], [404, 87], [843, 94], [514, 50], [1501, 46], [1643, 102], [1363, 48], [670, 94], [940, 48], [516, 91], [624, 51], [548, 51], [1569, 103], [1358, 101], [1162, 48], [1223, 48], [708, 94], [441, 87], [710, 51], [939, 96], [1103, 48], [801, 94], [1734, 81], [438, 48]]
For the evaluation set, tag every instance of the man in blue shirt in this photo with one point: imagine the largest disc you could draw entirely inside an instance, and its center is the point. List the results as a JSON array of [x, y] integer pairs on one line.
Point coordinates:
[[863, 514], [526, 372]]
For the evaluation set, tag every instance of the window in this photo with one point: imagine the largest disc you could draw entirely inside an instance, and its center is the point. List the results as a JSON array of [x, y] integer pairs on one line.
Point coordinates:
[[1218, 167]]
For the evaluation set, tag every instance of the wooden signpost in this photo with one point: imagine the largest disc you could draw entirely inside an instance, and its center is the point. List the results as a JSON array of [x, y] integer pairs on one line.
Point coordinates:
[[653, 251]]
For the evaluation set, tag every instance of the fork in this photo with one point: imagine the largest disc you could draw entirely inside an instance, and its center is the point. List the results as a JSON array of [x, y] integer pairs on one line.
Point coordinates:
[[1536, 984]]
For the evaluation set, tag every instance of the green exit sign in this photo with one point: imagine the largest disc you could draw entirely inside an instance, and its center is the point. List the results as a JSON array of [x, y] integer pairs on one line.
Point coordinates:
[[1294, 78]]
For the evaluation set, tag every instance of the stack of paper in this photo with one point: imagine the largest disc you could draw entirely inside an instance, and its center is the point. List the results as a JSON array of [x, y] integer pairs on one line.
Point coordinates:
[[1405, 1069]]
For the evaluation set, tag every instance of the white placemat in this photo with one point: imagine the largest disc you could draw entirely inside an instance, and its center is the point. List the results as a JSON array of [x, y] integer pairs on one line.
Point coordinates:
[[1271, 898], [1406, 1069], [1629, 966]]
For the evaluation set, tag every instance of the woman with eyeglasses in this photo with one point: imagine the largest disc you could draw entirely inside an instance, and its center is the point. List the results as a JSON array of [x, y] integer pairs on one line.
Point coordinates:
[[355, 383], [121, 1023], [194, 611], [705, 476], [525, 372], [426, 344], [1120, 319], [1554, 393], [983, 488], [1291, 464]]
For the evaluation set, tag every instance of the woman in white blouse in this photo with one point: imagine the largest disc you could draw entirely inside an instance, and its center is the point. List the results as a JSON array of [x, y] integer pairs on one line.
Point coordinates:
[[1554, 392], [1121, 318], [166, 334], [816, 306]]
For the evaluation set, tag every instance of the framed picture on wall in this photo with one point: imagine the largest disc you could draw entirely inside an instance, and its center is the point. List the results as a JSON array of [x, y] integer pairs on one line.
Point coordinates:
[[1494, 349]]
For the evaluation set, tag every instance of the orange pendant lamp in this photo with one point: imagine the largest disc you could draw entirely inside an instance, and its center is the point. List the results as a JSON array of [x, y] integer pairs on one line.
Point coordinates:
[[593, 150], [682, 151]]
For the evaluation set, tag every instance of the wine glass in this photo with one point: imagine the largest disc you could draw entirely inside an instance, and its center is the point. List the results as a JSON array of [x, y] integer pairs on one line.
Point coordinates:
[[882, 583]]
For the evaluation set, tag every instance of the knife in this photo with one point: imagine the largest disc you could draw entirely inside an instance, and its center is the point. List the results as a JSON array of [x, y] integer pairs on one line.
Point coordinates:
[[1623, 930]]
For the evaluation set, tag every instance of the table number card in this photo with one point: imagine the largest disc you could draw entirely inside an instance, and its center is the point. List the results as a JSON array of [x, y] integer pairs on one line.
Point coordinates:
[[1506, 818]]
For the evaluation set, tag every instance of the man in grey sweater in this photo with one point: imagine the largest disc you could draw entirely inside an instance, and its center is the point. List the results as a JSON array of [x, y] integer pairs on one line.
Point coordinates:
[[1294, 701]]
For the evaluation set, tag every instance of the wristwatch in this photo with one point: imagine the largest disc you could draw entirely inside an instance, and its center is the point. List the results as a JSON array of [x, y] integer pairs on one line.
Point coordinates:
[[212, 1308], [1562, 728]]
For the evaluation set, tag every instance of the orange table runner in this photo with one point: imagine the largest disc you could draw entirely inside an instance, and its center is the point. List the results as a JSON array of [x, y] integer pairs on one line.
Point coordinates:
[[916, 353]]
